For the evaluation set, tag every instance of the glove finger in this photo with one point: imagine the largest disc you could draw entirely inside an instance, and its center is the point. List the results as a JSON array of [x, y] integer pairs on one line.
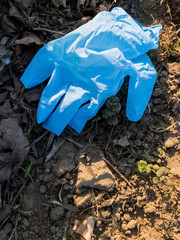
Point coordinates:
[[84, 114], [39, 69], [141, 83], [74, 98], [53, 92]]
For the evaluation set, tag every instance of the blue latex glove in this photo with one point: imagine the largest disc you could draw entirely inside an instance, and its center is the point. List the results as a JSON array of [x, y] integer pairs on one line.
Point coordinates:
[[89, 64]]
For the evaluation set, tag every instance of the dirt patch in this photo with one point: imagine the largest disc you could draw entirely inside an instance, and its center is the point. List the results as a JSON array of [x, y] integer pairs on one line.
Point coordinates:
[[88, 184]]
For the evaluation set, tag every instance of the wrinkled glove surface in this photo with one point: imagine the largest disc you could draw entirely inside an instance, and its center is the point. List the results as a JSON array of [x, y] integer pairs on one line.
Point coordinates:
[[88, 65]]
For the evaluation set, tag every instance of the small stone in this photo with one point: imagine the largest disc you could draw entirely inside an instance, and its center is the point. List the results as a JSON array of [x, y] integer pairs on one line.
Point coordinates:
[[105, 214], [122, 142], [163, 73], [149, 208], [42, 189], [157, 101], [157, 92], [132, 224], [25, 235], [98, 223], [69, 214], [118, 216], [130, 209], [8, 228], [53, 229], [128, 232], [47, 170], [127, 217], [124, 227], [25, 222], [159, 161], [56, 213]]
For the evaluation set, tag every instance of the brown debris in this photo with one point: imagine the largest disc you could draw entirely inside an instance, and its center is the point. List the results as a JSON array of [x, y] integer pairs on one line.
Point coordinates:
[[15, 145]]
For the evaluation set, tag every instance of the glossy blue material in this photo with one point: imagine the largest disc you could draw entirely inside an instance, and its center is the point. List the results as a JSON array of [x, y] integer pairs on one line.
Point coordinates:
[[88, 65]]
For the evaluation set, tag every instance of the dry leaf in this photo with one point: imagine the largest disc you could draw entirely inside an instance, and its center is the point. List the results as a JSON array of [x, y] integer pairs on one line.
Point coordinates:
[[6, 109], [14, 12], [24, 3], [7, 24], [86, 228], [5, 57], [57, 3], [123, 142], [14, 147], [29, 38], [56, 145]]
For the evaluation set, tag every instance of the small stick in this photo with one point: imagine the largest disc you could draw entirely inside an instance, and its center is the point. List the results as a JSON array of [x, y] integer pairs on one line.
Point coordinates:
[[39, 138], [109, 139], [162, 130], [75, 143], [48, 30], [120, 174]]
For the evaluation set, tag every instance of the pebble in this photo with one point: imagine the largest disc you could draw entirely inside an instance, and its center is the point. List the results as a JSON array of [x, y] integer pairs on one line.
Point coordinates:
[[42, 189], [159, 161], [124, 227], [163, 73], [128, 232], [127, 217], [47, 170], [56, 213], [132, 224], [25, 222], [8, 228], [68, 214], [132, 10], [157, 92], [118, 216], [25, 235], [53, 229], [149, 208]]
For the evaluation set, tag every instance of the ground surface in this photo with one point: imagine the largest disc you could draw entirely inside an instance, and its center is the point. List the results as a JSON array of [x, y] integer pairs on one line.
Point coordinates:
[[90, 184]]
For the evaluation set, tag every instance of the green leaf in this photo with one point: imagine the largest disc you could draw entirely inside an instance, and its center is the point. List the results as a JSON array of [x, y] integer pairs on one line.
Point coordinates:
[[155, 180], [143, 167], [161, 172], [162, 179], [156, 167], [65, 232], [28, 169], [131, 160]]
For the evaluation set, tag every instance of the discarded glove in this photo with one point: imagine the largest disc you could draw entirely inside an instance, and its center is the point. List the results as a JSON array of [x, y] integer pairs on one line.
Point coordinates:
[[88, 65]]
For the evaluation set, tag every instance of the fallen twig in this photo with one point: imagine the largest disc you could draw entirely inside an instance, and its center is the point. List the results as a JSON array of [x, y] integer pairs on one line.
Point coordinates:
[[109, 139], [39, 138], [48, 30], [14, 233], [75, 143], [162, 130], [120, 174]]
